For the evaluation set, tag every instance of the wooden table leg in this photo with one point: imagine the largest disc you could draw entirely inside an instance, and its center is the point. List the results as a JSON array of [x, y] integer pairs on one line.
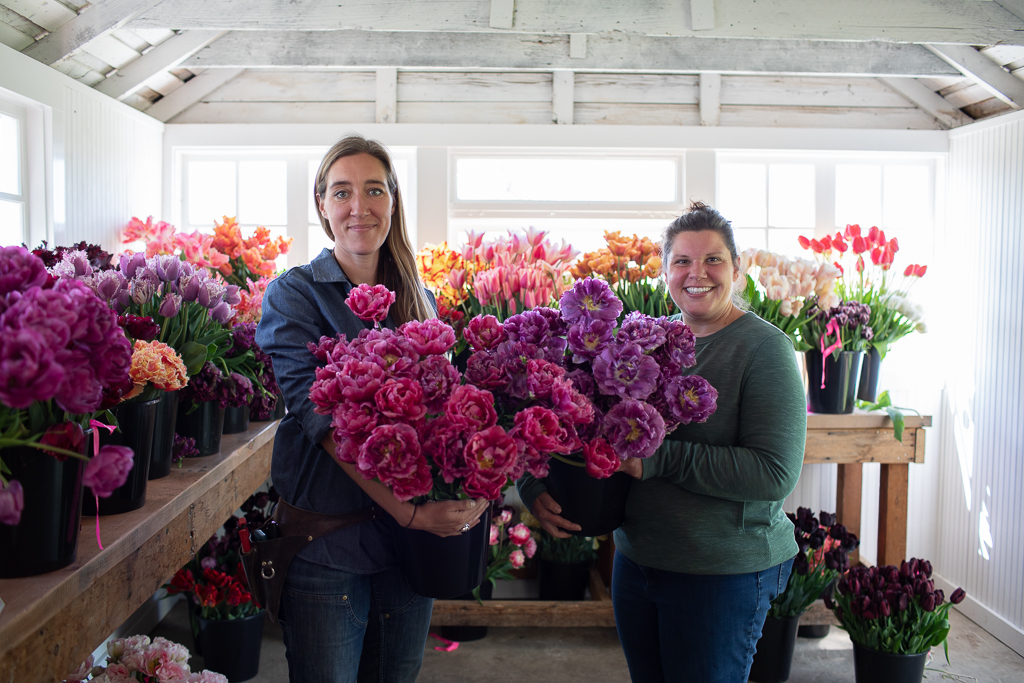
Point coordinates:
[[892, 514], [848, 491]]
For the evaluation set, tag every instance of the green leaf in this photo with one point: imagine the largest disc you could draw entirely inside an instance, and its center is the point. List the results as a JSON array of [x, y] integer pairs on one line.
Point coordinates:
[[193, 354], [897, 422]]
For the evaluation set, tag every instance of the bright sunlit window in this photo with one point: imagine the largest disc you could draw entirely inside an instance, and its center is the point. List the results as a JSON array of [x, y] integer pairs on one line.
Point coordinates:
[[12, 174]]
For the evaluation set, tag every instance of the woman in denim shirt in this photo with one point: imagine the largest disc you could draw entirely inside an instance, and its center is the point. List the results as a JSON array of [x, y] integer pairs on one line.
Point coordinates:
[[346, 609]]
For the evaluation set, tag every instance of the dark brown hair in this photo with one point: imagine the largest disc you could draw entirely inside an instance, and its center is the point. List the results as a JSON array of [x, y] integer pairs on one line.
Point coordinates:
[[396, 264], [698, 218]]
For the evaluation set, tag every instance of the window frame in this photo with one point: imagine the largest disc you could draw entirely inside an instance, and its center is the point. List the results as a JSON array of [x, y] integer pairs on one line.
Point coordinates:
[[21, 115]]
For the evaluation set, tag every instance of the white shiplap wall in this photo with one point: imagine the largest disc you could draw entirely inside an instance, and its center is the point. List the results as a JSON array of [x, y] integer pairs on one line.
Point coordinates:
[[980, 543]]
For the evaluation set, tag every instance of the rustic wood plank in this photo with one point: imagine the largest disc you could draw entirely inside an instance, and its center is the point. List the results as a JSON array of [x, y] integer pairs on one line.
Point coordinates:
[[14, 38], [860, 419], [598, 591], [849, 486], [68, 613], [49, 14], [984, 71], [501, 13], [910, 118], [386, 103], [166, 55], [702, 15], [710, 99], [298, 86], [859, 445], [84, 27], [578, 45], [537, 613], [926, 98], [636, 88], [275, 112], [474, 112], [637, 114], [562, 96], [808, 91], [987, 108], [892, 514], [977, 23], [196, 89], [449, 86], [109, 49], [10, 19], [614, 51]]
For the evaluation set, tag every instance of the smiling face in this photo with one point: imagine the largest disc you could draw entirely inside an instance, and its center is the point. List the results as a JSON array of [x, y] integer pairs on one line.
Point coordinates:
[[701, 276], [358, 206]]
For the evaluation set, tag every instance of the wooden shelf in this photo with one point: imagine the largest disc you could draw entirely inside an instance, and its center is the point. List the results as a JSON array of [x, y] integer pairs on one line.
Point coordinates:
[[52, 622]]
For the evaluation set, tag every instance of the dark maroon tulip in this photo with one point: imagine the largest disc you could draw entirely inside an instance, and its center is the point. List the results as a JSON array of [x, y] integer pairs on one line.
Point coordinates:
[[839, 613], [826, 519], [800, 564], [843, 587], [139, 327], [904, 603], [247, 505], [928, 602], [883, 608], [926, 567], [958, 596], [829, 604], [67, 435], [940, 596], [262, 498], [870, 613]]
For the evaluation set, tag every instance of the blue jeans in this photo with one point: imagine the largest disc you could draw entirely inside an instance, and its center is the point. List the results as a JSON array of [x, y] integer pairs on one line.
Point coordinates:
[[341, 627], [691, 627]]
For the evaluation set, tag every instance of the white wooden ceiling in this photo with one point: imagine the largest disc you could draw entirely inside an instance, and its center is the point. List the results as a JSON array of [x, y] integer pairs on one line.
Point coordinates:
[[809, 63]]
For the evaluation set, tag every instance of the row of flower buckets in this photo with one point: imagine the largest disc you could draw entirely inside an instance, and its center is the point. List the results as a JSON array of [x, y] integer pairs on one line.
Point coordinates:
[[47, 537], [833, 386]]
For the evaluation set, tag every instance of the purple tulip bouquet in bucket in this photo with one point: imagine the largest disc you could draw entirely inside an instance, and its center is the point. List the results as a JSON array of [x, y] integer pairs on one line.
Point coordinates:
[[61, 353]]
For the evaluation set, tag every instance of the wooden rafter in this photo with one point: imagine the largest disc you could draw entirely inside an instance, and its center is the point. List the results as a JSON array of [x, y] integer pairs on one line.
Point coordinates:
[[605, 52], [86, 26], [933, 103], [166, 55], [194, 90], [986, 73]]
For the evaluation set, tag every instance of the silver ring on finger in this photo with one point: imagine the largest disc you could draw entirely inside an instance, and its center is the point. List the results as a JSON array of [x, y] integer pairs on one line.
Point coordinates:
[[465, 528]]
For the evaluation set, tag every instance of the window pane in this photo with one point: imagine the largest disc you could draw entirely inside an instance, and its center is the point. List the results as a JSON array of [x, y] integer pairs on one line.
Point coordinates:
[[742, 194], [791, 195], [783, 241], [750, 238], [566, 180], [584, 234], [858, 195], [12, 225], [211, 191], [262, 192], [318, 239], [906, 196], [314, 215], [10, 155]]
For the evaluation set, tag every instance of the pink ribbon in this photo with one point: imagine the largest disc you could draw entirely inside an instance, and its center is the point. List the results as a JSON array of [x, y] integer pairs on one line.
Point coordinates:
[[449, 644], [96, 424], [832, 327]]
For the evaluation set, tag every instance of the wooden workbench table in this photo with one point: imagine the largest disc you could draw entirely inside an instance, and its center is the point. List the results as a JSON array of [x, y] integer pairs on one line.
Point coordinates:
[[52, 622]]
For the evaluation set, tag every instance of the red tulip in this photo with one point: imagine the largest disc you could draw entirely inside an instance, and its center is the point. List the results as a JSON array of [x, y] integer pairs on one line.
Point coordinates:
[[919, 271], [885, 260], [826, 242], [909, 271], [876, 256], [804, 242], [860, 245], [852, 231], [880, 240], [894, 245], [873, 235], [817, 246], [839, 244], [841, 270], [860, 264]]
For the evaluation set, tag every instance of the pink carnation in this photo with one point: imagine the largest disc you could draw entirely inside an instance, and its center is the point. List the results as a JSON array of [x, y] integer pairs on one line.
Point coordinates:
[[530, 547], [401, 399], [107, 470], [471, 408], [428, 337], [602, 460], [370, 303], [484, 333], [517, 558]]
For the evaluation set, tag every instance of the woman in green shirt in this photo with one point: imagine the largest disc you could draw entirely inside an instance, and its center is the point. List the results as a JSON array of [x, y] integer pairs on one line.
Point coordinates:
[[706, 547]]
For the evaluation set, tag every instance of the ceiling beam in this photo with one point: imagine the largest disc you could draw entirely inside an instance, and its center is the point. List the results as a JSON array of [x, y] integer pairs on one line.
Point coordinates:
[[605, 53], [702, 15], [94, 20], [1014, 7], [167, 55], [924, 97], [983, 71], [912, 21], [710, 101], [194, 90]]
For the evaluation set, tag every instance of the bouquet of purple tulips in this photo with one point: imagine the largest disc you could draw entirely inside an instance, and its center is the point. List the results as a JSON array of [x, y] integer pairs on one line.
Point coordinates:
[[896, 610]]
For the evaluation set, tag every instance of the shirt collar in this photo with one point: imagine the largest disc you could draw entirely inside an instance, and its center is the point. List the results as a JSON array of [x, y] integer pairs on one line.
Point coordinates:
[[326, 268]]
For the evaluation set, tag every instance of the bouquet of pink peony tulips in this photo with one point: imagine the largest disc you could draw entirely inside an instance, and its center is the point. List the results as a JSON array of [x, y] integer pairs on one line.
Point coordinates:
[[138, 658], [569, 381]]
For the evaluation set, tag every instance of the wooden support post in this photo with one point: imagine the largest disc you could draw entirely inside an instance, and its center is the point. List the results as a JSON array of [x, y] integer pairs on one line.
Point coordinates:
[[387, 95], [848, 492], [710, 99], [892, 514], [562, 86]]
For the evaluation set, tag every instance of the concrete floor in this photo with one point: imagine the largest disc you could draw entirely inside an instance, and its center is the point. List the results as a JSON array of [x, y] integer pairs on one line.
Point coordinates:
[[544, 655]]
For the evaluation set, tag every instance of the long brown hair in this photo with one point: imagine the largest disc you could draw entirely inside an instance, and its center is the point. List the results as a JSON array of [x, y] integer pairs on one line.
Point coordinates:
[[396, 263]]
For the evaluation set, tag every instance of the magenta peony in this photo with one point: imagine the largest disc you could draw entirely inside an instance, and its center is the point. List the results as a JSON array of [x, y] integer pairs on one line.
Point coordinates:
[[471, 408], [370, 303], [491, 455], [20, 270], [541, 376], [601, 459], [484, 333], [540, 429], [392, 454], [401, 399], [429, 337], [108, 469], [354, 419]]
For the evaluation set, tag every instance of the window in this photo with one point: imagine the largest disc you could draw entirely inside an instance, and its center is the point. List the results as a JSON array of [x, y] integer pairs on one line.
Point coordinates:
[[13, 190], [268, 187], [772, 199], [575, 196]]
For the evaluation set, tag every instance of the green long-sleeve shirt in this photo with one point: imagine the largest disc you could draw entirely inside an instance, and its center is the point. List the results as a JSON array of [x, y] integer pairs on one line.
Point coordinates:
[[710, 500]]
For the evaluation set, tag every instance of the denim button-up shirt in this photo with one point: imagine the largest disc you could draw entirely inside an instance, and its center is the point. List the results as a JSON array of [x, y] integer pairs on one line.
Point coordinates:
[[299, 307]]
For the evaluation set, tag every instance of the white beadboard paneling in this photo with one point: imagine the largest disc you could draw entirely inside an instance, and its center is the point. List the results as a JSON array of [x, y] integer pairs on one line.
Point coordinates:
[[113, 169], [984, 394], [816, 489]]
